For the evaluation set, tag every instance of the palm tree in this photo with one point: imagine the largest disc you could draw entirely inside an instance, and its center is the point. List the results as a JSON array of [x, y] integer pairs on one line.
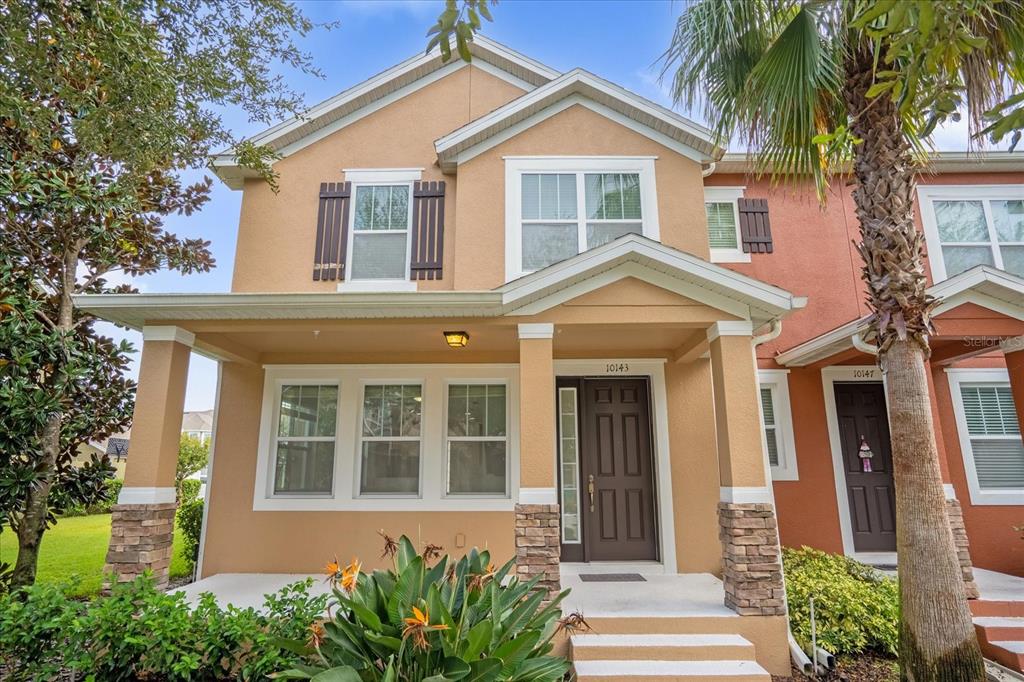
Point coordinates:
[[811, 86]]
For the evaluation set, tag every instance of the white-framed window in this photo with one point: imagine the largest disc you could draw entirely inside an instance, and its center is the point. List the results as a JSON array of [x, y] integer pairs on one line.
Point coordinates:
[[777, 423], [969, 225], [379, 230], [390, 439], [569, 460], [402, 440], [558, 207], [721, 206], [476, 446], [305, 438], [990, 438]]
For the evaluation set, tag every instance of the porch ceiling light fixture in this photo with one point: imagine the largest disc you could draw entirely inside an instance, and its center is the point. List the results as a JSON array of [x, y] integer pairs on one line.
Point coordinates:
[[456, 339]]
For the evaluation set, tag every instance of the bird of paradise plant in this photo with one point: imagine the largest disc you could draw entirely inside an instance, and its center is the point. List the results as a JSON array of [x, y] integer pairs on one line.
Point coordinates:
[[462, 620]]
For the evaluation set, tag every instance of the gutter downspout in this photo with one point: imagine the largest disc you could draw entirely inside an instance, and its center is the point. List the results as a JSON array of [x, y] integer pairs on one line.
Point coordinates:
[[863, 346], [709, 170], [773, 333]]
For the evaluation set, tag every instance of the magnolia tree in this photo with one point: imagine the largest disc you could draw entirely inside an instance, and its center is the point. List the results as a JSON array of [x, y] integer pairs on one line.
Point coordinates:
[[105, 104]]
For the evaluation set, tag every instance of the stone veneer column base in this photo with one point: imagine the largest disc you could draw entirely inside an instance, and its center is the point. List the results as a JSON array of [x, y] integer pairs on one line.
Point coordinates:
[[539, 544], [141, 537], [751, 559], [963, 546]]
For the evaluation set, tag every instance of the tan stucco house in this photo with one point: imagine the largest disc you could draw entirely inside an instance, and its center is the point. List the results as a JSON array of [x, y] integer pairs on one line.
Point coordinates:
[[497, 305]]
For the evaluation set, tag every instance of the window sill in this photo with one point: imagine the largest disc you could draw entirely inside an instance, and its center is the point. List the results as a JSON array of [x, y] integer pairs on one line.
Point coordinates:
[[992, 498], [729, 256], [376, 286]]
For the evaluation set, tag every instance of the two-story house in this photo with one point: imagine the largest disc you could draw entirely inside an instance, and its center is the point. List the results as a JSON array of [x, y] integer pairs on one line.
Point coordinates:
[[497, 305]]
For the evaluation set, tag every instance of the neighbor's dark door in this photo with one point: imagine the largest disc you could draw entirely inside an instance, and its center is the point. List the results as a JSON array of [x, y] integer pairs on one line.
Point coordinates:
[[616, 460], [860, 408]]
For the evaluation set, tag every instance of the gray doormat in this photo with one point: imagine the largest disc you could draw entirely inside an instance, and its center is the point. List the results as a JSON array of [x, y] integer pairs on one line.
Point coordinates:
[[612, 578]]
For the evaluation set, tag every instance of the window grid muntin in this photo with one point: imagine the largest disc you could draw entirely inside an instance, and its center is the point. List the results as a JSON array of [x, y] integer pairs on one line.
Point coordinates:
[[279, 439], [993, 244], [581, 220], [476, 439], [354, 231], [361, 452]]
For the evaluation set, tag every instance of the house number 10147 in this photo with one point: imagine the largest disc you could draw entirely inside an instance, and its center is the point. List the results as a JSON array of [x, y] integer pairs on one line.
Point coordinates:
[[617, 367]]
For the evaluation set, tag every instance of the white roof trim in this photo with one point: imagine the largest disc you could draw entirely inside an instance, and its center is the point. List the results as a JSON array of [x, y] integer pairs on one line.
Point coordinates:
[[529, 108], [943, 162], [412, 74], [983, 285], [628, 256]]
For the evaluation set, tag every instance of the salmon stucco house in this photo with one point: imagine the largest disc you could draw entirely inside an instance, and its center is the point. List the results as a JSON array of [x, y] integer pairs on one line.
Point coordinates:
[[497, 305]]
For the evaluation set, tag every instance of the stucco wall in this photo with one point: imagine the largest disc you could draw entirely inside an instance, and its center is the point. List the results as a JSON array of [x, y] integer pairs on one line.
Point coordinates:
[[277, 232]]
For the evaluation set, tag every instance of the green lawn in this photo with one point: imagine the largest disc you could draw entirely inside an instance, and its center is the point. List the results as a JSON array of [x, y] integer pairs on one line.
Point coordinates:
[[77, 546]]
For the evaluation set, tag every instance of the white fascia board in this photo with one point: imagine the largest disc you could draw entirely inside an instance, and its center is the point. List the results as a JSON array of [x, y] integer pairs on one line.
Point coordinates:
[[571, 84], [822, 346], [752, 292]]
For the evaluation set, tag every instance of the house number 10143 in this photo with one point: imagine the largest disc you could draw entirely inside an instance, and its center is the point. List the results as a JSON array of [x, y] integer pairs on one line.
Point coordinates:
[[617, 367]]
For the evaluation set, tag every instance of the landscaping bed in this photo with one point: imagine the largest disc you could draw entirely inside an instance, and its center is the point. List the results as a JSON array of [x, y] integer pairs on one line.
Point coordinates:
[[863, 668]]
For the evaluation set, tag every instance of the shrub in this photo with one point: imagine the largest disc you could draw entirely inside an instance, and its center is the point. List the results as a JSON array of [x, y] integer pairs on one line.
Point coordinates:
[[140, 633], [446, 621], [856, 608], [33, 624], [189, 490], [189, 518]]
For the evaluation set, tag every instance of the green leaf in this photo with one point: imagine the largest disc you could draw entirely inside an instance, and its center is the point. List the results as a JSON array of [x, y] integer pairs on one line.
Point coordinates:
[[405, 554], [516, 650], [484, 670], [878, 88], [342, 673], [392, 643], [407, 591], [455, 668], [477, 638], [873, 12]]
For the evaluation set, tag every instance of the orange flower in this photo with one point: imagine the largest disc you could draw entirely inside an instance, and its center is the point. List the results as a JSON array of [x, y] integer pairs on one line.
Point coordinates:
[[316, 634], [332, 569], [418, 626], [350, 576]]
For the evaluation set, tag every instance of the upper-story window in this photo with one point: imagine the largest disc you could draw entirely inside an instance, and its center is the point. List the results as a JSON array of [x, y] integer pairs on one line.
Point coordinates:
[[721, 204], [967, 226], [558, 207], [380, 232]]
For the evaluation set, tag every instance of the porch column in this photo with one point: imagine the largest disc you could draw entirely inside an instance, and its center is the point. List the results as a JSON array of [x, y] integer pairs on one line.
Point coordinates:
[[142, 525], [538, 533], [748, 528]]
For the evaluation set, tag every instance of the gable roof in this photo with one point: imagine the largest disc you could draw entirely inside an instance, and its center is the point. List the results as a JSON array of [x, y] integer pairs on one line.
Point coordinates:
[[986, 286], [349, 105], [578, 87], [628, 256]]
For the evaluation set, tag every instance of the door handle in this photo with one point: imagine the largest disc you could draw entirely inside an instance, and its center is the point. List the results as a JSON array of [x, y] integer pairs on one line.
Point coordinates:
[[590, 489]]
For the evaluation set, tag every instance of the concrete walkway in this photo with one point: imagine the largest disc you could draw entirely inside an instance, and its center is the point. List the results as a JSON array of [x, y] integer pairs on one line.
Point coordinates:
[[247, 589], [995, 586]]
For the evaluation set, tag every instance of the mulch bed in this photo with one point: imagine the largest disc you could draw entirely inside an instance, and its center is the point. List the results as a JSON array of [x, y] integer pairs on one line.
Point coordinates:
[[175, 583], [864, 668]]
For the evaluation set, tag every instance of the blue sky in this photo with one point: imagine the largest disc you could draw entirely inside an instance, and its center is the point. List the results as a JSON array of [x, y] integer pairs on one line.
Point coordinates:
[[620, 41]]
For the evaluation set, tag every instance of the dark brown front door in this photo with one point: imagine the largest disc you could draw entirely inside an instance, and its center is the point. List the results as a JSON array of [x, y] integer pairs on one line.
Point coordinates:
[[616, 458], [860, 409]]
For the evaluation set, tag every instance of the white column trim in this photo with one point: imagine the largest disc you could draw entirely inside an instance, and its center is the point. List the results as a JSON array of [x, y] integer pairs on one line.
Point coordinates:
[[730, 328], [143, 495], [167, 332], [198, 571], [949, 490], [536, 330], [538, 496], [746, 495]]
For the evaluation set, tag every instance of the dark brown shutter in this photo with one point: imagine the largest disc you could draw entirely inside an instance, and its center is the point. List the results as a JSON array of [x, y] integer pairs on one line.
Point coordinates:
[[332, 231], [427, 230], [755, 230]]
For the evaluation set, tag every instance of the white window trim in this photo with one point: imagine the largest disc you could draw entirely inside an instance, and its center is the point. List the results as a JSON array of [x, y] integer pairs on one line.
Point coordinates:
[[724, 195], [388, 176], [516, 166], [492, 439], [930, 193], [566, 390], [956, 377], [778, 381], [275, 438], [433, 428], [360, 439], [379, 285]]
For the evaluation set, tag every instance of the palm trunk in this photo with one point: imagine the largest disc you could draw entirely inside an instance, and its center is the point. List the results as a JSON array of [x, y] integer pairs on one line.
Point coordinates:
[[937, 640], [32, 524]]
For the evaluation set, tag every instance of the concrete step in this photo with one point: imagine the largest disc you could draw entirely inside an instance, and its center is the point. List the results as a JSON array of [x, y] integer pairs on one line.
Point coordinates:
[[1009, 654], [997, 608], [999, 628], [663, 671], [709, 647]]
